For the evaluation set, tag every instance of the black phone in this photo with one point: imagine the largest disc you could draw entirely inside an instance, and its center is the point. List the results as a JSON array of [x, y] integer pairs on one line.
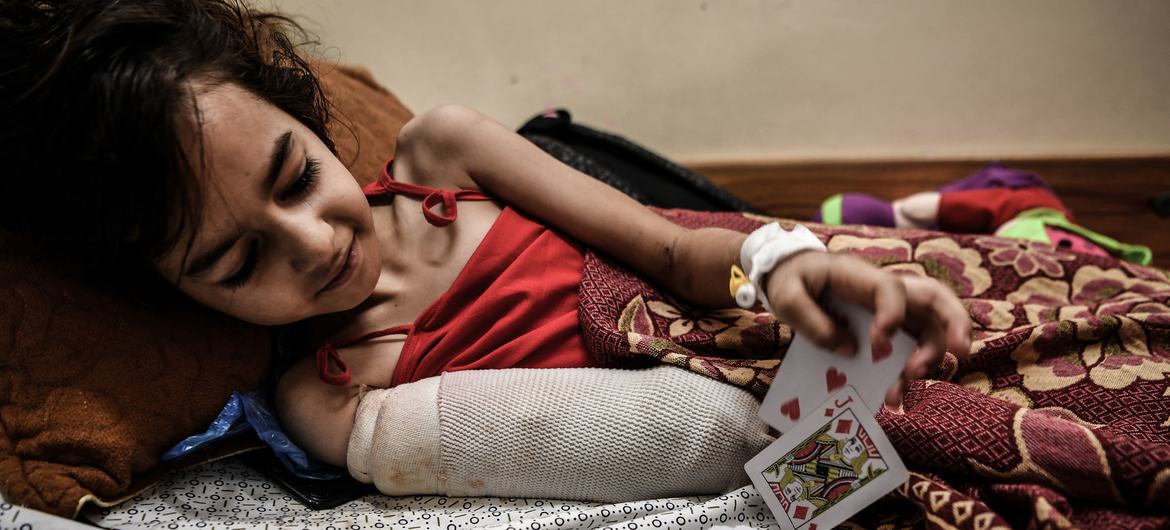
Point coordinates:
[[316, 494]]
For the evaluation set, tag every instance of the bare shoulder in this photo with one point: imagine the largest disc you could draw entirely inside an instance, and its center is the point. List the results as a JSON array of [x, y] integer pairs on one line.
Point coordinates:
[[442, 125], [432, 148], [316, 415]]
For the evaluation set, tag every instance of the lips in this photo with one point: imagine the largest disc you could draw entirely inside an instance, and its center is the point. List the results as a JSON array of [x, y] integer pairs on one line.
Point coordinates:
[[345, 268]]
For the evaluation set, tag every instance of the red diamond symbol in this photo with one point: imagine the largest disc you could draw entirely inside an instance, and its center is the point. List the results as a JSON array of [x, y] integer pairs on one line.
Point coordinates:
[[812, 526], [800, 512], [828, 413], [844, 426]]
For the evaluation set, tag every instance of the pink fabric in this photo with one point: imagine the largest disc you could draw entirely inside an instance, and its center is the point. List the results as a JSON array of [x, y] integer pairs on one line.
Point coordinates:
[[1074, 242]]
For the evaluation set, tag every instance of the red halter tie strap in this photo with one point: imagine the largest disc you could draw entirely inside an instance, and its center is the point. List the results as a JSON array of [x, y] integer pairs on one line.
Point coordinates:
[[431, 197], [328, 353]]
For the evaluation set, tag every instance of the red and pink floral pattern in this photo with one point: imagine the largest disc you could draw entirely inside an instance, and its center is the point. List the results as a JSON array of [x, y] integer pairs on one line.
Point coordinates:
[[1060, 417]]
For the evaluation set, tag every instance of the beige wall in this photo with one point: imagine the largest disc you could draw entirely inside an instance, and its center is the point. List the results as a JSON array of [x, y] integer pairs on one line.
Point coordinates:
[[715, 79]]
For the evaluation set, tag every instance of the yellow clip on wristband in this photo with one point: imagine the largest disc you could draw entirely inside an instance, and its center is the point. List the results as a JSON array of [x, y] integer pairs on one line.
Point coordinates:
[[738, 279], [742, 290]]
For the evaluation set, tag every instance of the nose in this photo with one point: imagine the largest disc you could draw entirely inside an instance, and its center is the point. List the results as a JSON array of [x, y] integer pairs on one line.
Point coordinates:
[[308, 241]]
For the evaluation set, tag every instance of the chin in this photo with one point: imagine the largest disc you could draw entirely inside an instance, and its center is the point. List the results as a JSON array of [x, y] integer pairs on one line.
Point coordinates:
[[361, 281], [361, 287], [359, 296]]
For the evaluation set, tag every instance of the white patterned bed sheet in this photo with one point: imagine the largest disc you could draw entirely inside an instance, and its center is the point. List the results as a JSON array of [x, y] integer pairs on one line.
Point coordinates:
[[230, 494]]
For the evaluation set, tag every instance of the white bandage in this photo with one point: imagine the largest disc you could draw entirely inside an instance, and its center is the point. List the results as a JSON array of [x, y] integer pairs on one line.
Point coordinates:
[[765, 248], [595, 434]]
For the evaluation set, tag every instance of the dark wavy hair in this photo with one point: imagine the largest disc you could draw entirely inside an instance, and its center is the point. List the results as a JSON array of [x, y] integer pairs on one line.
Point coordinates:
[[93, 95]]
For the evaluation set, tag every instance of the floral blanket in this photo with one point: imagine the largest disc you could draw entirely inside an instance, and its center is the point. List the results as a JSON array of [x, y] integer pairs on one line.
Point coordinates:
[[1060, 417]]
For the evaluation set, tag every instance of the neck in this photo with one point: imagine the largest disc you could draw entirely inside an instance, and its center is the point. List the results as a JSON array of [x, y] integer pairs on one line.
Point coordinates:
[[396, 241]]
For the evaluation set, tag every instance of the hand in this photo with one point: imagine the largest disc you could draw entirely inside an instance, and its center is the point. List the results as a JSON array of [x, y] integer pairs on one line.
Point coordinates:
[[921, 305]]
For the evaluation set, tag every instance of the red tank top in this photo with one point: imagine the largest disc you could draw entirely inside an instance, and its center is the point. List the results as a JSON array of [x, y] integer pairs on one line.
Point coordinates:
[[513, 305]]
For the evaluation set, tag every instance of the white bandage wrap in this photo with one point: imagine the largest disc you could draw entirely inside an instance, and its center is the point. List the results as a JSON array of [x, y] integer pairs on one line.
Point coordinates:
[[765, 248], [595, 434], [395, 440]]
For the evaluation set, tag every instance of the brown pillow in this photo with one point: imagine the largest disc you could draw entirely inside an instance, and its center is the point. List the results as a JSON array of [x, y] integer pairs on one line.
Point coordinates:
[[96, 381], [366, 119]]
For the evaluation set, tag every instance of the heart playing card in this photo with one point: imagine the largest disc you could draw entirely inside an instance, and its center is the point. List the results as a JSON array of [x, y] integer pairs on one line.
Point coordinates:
[[829, 466], [809, 374]]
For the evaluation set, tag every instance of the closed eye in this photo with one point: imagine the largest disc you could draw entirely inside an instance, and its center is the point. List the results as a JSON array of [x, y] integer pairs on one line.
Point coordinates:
[[306, 181], [302, 186], [237, 280]]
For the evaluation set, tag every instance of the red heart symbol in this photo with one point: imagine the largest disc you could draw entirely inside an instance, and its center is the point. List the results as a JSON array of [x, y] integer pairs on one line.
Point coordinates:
[[791, 409], [834, 379], [881, 351]]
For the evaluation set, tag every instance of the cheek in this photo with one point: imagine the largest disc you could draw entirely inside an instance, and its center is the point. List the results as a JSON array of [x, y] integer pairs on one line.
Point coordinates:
[[344, 191], [371, 267], [355, 205], [353, 209]]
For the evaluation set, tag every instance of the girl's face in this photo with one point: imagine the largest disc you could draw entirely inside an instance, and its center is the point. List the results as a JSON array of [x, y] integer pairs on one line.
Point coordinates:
[[285, 232]]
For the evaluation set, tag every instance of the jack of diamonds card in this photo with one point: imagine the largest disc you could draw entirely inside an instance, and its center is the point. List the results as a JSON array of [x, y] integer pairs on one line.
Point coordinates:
[[828, 467]]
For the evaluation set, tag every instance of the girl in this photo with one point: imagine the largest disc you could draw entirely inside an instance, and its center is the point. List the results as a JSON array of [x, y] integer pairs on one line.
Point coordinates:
[[188, 137]]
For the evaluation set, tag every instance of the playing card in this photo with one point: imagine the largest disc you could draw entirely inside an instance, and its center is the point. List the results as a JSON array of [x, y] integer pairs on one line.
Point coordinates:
[[830, 466], [809, 374]]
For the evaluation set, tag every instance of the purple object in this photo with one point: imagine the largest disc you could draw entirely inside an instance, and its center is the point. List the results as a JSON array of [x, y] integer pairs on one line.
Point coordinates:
[[860, 209], [997, 176]]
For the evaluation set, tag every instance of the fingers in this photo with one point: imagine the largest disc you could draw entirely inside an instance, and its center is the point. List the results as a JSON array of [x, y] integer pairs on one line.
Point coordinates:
[[854, 280], [795, 306], [889, 304], [944, 323], [932, 344], [958, 328], [949, 313], [931, 309], [889, 312], [858, 281], [894, 394]]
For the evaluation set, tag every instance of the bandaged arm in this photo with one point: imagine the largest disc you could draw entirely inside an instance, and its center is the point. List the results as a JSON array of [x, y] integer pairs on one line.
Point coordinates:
[[593, 434]]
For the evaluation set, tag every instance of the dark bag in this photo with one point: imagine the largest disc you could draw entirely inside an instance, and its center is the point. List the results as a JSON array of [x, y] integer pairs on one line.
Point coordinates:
[[626, 166]]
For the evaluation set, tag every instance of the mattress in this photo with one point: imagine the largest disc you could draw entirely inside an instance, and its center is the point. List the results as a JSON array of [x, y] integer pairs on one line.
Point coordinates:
[[230, 494]]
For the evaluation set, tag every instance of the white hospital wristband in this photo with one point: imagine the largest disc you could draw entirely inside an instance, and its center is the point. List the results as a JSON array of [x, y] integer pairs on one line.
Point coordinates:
[[763, 249]]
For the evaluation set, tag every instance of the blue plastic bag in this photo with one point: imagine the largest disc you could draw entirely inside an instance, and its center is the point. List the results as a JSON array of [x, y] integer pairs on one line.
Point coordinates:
[[250, 412]]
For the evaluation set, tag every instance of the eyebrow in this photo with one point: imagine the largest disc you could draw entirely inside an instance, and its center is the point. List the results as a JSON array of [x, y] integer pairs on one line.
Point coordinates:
[[199, 265]]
